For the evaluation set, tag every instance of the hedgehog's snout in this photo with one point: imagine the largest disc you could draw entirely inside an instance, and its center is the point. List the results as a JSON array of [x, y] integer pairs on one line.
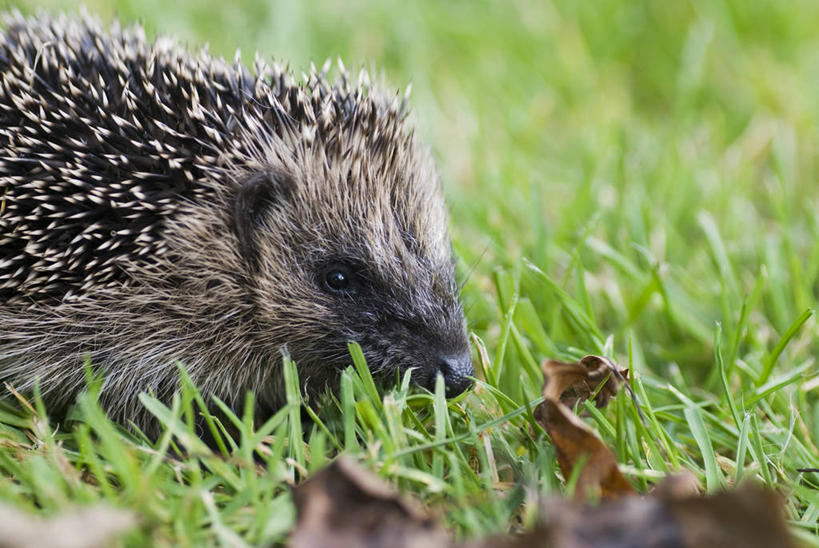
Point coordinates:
[[456, 370]]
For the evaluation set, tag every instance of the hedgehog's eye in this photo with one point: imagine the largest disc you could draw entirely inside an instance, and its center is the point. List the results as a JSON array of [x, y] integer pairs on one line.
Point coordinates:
[[337, 280], [340, 278]]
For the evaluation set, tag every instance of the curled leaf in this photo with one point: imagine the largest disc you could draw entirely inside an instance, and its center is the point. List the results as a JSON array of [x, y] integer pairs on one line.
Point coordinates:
[[570, 382], [576, 443]]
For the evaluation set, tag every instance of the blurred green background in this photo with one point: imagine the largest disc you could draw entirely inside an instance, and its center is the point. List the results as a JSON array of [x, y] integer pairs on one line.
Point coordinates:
[[650, 156]]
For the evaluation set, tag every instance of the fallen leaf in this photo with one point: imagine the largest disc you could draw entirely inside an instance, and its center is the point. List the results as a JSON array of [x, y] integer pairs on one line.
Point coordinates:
[[343, 505], [575, 443], [632, 522], [570, 382], [750, 517], [83, 528]]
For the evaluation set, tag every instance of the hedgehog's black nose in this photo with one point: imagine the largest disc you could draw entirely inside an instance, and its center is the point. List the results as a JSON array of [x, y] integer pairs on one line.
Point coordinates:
[[456, 370]]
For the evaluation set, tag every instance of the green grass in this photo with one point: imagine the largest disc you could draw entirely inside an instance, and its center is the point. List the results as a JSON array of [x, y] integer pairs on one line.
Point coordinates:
[[637, 179]]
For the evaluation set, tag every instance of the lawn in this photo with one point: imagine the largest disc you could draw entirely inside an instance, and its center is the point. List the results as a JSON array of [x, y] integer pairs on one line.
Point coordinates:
[[632, 179]]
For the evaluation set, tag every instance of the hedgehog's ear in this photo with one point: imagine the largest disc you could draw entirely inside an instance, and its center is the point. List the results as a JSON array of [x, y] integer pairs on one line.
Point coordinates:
[[257, 193]]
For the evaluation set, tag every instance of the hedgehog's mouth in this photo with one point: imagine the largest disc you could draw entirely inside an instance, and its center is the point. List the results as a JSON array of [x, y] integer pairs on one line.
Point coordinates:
[[457, 371], [427, 357]]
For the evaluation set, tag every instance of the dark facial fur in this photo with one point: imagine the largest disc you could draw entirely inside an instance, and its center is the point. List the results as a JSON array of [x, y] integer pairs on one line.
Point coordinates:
[[160, 206]]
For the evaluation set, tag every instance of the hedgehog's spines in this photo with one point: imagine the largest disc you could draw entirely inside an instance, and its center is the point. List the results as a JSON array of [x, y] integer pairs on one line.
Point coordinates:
[[129, 122]]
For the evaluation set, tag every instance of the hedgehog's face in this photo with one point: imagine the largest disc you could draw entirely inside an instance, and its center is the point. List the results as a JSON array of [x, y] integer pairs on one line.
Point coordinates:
[[370, 262], [419, 326]]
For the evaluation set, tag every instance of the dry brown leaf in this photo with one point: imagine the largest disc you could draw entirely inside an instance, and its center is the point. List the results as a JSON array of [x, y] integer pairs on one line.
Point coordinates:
[[346, 506], [83, 528], [632, 522], [574, 441], [748, 517], [570, 382]]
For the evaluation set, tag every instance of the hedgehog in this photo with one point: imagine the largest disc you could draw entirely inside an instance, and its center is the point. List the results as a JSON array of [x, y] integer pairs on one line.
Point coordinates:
[[159, 206]]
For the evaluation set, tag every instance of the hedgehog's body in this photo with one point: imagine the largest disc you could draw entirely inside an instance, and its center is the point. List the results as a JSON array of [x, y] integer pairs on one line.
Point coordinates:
[[161, 206]]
